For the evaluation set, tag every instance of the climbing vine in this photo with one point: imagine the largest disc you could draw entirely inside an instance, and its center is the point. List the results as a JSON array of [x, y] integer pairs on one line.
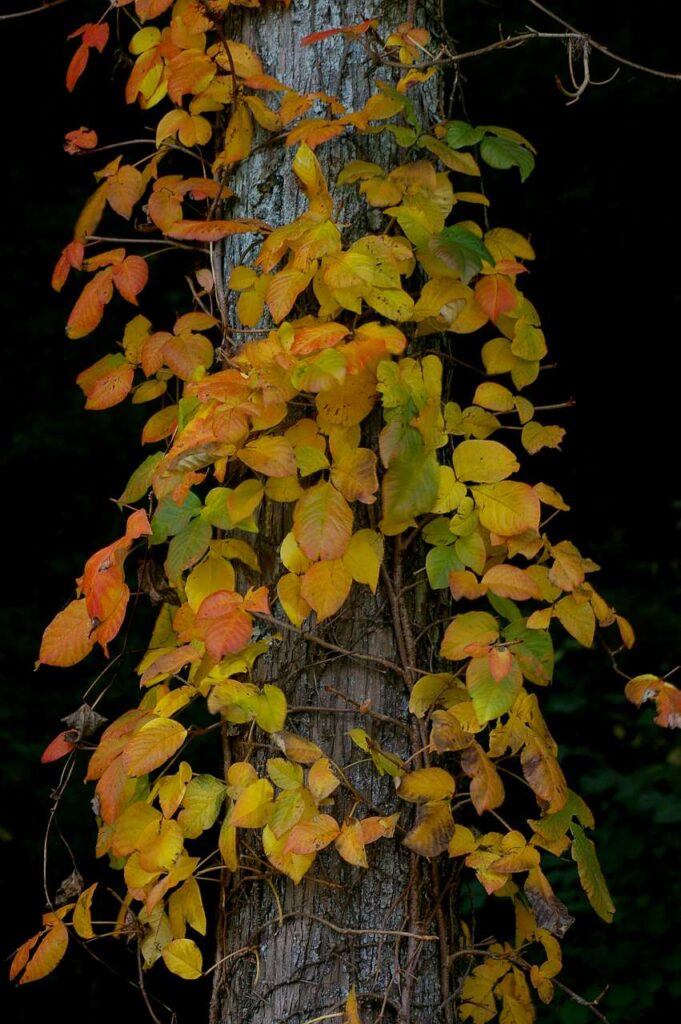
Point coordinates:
[[321, 377]]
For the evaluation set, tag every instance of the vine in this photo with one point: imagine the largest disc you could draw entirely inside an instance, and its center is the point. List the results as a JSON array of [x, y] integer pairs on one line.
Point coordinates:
[[310, 378]]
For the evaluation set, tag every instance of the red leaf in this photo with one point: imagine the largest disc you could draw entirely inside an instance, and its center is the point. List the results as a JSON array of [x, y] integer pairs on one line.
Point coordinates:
[[76, 67], [79, 140], [59, 747], [348, 30], [96, 36]]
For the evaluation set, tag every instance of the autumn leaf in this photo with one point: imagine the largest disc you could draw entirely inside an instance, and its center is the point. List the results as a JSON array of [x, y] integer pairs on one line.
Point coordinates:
[[183, 957]]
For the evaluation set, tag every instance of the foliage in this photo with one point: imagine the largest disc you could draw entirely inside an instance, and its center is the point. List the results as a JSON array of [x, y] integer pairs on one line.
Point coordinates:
[[288, 417]]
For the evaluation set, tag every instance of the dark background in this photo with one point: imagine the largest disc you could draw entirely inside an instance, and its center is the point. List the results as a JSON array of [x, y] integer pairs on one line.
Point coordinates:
[[603, 210]]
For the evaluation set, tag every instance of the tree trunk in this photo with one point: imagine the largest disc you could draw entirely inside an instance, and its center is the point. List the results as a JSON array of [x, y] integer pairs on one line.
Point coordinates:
[[290, 953]]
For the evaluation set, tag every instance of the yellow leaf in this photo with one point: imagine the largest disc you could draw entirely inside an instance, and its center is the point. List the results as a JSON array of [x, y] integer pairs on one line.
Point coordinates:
[[270, 713], [578, 619], [309, 173], [507, 508], [171, 789], [183, 957], [350, 844], [238, 136], [254, 806], [227, 846], [291, 555], [325, 587], [462, 842], [207, 578], [82, 919], [426, 691], [296, 748], [425, 784], [186, 907], [484, 462], [272, 456], [351, 1009], [477, 628], [153, 745], [364, 556], [294, 604], [295, 865]]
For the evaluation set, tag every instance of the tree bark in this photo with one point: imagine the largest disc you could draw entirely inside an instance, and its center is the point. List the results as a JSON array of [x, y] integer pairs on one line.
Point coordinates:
[[288, 954]]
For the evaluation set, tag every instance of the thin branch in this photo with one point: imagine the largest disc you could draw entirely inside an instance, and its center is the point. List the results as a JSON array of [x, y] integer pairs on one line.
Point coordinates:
[[32, 10], [674, 76]]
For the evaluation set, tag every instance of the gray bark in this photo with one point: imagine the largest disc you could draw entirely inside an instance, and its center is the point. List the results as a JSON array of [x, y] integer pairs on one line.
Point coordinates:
[[302, 967]]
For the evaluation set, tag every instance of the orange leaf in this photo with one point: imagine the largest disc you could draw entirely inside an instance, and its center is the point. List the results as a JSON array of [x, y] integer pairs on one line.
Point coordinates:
[[71, 259], [511, 581], [89, 309], [106, 382], [350, 844], [126, 188], [310, 836], [378, 828], [48, 954], [130, 277], [214, 230], [322, 522], [325, 586], [154, 743], [222, 624], [67, 639], [496, 295]]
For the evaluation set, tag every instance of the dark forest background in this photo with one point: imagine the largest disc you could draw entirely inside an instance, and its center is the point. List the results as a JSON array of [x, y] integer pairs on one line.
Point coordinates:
[[603, 210]]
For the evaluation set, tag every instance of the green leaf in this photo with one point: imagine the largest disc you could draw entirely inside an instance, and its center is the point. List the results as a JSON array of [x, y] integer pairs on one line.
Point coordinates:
[[590, 874], [170, 518], [140, 481], [440, 561], [461, 133], [187, 547], [503, 153], [491, 698], [508, 609], [533, 649], [457, 246]]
